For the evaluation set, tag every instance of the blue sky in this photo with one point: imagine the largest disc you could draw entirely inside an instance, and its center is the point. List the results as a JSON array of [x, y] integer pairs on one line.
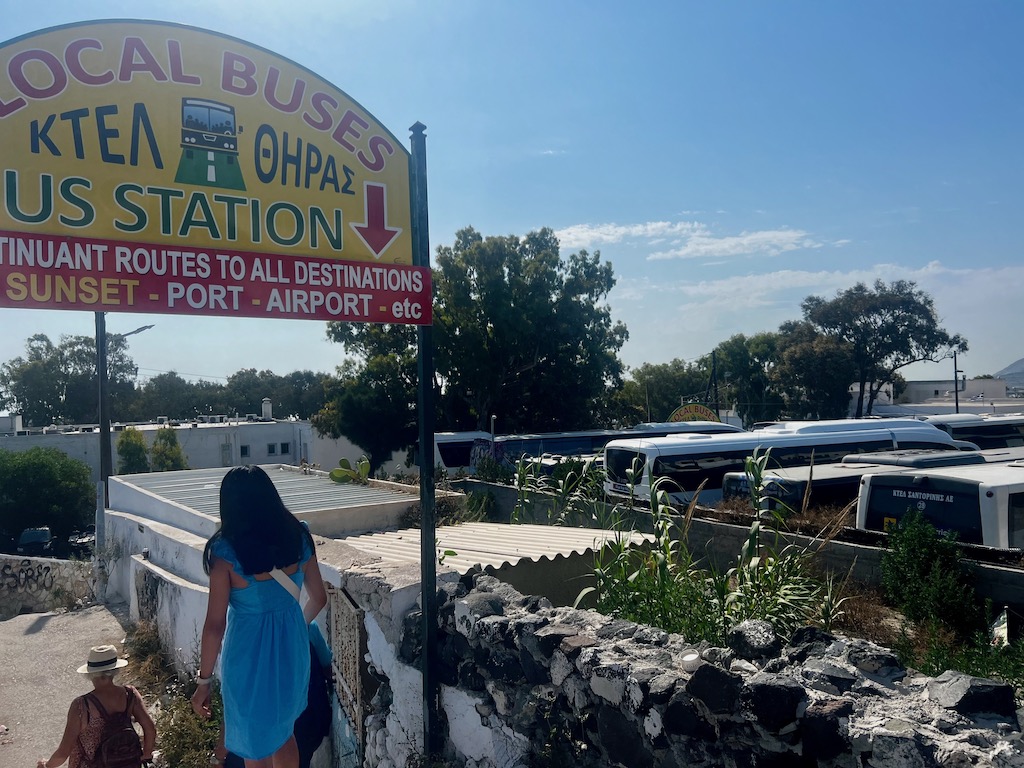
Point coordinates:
[[729, 159]]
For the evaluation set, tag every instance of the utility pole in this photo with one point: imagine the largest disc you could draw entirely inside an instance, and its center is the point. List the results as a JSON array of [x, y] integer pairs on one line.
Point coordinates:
[[956, 385], [106, 466]]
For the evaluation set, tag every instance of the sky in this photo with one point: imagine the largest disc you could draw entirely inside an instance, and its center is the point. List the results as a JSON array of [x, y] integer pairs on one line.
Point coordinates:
[[728, 159]]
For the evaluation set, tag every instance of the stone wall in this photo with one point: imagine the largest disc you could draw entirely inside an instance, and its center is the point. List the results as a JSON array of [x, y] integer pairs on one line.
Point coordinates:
[[39, 584], [524, 683]]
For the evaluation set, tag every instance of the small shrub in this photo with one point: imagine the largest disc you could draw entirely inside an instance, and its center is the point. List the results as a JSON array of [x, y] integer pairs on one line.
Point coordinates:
[[491, 470], [924, 577]]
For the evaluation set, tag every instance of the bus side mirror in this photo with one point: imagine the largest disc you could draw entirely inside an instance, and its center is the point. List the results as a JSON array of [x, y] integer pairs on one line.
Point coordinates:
[[240, 129]]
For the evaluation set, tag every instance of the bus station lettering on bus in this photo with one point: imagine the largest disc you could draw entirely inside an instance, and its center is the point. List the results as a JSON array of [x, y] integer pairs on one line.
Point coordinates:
[[78, 232]]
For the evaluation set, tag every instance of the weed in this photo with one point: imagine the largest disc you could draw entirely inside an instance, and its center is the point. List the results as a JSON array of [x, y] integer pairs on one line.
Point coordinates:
[[924, 577]]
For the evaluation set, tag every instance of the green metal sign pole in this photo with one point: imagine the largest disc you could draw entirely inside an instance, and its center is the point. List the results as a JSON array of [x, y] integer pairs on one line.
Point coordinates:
[[425, 406]]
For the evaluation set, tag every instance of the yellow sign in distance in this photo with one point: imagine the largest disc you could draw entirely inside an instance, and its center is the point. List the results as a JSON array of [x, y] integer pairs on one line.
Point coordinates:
[[693, 412], [155, 133]]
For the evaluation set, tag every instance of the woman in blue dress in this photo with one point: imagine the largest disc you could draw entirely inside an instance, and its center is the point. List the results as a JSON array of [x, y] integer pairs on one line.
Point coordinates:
[[253, 616]]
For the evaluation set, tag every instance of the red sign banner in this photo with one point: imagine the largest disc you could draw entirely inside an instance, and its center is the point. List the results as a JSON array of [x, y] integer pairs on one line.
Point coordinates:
[[57, 272]]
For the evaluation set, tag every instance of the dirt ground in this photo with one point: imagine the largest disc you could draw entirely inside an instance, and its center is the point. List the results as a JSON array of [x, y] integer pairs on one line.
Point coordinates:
[[39, 656]]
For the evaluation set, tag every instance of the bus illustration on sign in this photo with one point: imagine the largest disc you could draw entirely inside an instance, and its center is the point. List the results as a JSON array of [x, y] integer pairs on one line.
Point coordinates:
[[209, 142]]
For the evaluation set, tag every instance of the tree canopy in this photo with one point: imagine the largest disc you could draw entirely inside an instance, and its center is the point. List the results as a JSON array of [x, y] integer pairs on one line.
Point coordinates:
[[57, 383], [133, 456], [886, 328], [519, 332], [42, 486], [166, 453]]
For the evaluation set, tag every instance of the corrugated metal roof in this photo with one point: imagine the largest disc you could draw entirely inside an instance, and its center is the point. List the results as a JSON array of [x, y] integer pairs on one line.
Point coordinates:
[[199, 489], [488, 544]]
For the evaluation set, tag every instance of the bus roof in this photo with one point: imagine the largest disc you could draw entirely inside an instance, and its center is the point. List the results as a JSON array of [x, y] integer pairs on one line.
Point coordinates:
[[957, 419], [809, 432], [1009, 473]]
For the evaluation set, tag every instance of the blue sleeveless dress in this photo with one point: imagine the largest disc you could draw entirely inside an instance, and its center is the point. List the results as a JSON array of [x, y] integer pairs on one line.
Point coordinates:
[[264, 662]]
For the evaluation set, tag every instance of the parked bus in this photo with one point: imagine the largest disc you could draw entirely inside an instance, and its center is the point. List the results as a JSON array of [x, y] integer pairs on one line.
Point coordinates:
[[839, 484], [986, 430], [686, 461], [511, 448], [981, 504], [455, 450]]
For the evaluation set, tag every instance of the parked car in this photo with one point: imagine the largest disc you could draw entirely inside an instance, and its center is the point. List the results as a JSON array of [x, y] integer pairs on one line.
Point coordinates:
[[36, 542], [81, 543]]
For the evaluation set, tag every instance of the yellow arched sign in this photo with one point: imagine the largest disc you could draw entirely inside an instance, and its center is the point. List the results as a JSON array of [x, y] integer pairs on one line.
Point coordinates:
[[153, 167], [693, 412]]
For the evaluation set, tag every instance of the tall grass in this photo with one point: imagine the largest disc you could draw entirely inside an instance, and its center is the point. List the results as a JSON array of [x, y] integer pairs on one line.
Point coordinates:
[[663, 584]]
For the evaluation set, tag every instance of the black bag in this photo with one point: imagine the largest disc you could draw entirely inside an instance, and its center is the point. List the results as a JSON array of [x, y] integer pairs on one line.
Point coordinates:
[[120, 746], [314, 724]]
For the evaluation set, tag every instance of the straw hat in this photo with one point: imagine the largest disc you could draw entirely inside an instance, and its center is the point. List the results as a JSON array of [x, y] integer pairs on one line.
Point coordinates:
[[102, 658]]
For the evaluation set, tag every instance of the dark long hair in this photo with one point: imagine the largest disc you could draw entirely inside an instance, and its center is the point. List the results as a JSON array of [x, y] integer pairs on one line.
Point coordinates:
[[256, 523]]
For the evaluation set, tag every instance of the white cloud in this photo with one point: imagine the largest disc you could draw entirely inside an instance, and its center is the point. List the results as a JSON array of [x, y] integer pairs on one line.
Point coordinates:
[[770, 242], [687, 239], [590, 235]]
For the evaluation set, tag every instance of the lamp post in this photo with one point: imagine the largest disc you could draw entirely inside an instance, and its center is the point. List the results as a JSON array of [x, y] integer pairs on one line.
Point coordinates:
[[104, 396], [956, 384]]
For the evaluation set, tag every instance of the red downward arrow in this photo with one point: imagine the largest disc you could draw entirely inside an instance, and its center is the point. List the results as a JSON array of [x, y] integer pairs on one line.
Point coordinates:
[[375, 232]]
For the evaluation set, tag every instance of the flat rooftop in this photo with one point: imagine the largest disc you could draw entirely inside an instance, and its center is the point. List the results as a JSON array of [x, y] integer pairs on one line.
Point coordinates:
[[199, 489]]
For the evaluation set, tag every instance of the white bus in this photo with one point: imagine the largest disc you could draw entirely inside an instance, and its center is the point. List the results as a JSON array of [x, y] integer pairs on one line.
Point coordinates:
[[454, 450], [986, 430], [839, 484], [982, 504], [682, 462]]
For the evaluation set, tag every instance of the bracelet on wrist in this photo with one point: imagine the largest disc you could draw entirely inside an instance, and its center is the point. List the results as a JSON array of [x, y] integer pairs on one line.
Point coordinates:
[[204, 680]]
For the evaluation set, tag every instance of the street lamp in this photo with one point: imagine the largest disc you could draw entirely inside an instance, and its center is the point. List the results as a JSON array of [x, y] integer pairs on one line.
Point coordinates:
[[956, 384], [104, 396]]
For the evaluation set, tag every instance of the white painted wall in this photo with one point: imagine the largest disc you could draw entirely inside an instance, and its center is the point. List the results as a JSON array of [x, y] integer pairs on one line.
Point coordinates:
[[203, 444]]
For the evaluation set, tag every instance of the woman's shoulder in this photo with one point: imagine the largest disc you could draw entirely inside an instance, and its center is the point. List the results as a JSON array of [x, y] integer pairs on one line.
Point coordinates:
[[222, 548]]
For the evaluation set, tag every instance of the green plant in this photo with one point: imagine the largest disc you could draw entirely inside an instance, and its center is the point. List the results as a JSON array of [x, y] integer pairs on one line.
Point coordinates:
[[346, 473], [572, 494], [660, 584], [830, 610], [166, 453], [481, 506], [925, 578], [132, 455], [491, 470]]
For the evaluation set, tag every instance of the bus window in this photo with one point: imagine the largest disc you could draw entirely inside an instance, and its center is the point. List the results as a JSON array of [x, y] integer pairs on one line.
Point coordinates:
[[619, 460], [690, 470], [1015, 518]]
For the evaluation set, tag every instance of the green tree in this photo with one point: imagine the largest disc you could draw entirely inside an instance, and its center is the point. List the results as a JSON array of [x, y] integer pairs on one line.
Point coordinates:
[[166, 394], [515, 323], [813, 372], [166, 454], [42, 486], [132, 453], [746, 366], [373, 405], [57, 383], [519, 332], [655, 390], [887, 327]]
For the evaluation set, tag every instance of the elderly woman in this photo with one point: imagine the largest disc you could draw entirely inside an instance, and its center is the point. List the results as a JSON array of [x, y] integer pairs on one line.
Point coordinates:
[[90, 713]]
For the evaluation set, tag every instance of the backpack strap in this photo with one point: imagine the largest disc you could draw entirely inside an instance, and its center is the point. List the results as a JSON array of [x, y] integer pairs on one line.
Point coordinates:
[[97, 703], [281, 578]]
